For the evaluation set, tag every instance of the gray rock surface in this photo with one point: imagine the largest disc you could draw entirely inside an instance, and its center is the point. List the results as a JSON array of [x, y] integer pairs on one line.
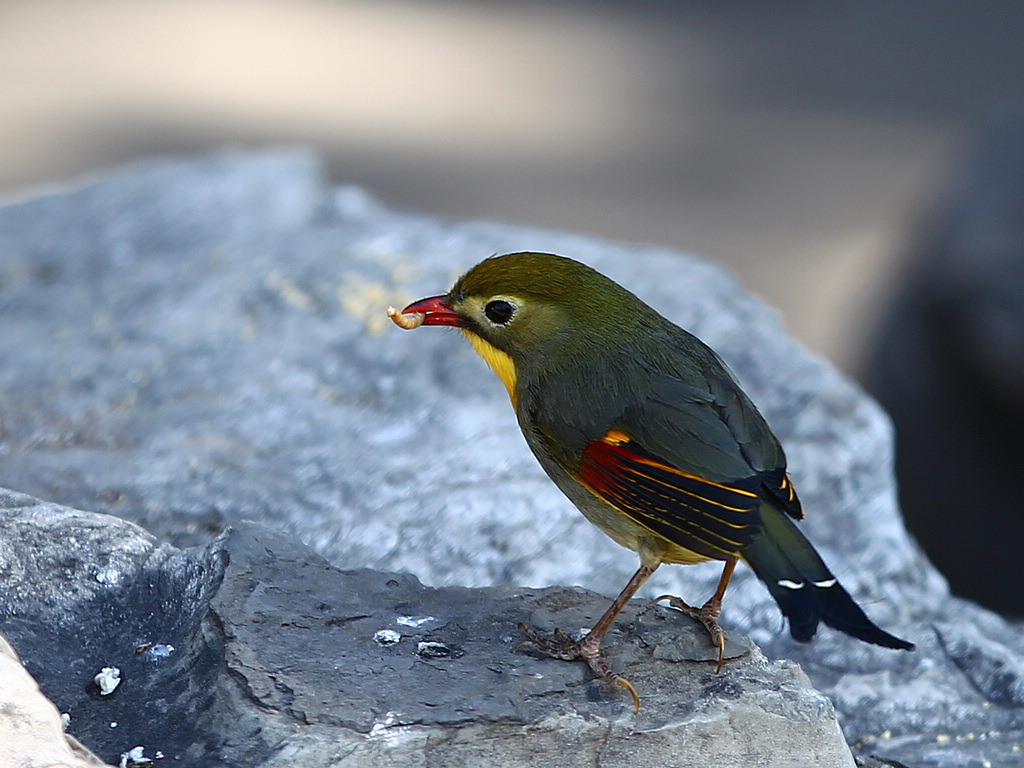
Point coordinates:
[[276, 658], [190, 344], [31, 732]]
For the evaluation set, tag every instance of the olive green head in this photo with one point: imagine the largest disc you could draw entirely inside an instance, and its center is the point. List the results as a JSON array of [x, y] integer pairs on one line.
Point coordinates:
[[529, 304], [530, 315]]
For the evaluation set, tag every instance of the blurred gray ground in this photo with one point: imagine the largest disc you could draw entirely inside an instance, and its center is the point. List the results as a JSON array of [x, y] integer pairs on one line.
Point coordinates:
[[795, 142]]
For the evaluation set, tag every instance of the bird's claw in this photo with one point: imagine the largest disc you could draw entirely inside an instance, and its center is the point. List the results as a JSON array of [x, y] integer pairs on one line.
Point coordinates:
[[707, 615], [620, 680], [562, 646]]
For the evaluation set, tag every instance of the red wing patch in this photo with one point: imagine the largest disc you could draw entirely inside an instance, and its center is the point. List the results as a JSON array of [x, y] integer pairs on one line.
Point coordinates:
[[714, 519]]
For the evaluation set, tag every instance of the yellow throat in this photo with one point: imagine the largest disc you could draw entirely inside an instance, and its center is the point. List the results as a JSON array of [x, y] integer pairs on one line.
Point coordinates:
[[500, 362]]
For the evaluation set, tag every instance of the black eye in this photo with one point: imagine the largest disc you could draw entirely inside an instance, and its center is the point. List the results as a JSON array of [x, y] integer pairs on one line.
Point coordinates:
[[499, 312]]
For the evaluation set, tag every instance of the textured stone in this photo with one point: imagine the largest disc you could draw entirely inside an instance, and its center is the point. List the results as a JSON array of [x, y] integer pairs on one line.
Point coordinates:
[[31, 732], [274, 660], [82, 592], [191, 344]]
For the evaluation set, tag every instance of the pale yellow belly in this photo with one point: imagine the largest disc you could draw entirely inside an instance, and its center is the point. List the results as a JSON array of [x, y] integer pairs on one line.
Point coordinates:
[[651, 546]]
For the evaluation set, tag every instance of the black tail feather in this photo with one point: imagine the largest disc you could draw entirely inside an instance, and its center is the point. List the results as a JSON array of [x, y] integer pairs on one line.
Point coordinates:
[[772, 567], [839, 611], [803, 586]]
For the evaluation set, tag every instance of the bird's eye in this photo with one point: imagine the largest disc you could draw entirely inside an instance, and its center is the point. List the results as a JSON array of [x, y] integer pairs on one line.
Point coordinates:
[[499, 311]]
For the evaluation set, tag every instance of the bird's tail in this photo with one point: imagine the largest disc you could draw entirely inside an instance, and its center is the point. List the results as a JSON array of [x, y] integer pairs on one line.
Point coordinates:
[[803, 586]]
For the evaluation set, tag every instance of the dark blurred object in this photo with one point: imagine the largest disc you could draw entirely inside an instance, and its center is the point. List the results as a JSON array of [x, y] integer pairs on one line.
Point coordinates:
[[948, 365]]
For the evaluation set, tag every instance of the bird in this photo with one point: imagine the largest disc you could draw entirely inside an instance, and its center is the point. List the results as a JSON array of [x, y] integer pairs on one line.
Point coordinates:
[[644, 428]]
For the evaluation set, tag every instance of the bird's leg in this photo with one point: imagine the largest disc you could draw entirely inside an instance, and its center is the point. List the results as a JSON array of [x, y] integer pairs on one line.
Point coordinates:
[[708, 613], [588, 647]]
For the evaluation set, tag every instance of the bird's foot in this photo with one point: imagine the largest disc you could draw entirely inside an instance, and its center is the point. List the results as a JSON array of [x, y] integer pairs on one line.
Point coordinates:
[[588, 648], [707, 615]]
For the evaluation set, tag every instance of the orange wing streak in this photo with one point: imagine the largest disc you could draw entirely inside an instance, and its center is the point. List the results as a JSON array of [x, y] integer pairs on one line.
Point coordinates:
[[617, 438], [666, 500], [649, 519]]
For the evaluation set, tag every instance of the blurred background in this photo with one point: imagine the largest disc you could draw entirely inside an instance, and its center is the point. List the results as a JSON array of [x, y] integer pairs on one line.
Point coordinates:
[[852, 163]]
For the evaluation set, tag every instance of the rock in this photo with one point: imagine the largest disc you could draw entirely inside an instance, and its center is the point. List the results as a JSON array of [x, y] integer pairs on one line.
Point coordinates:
[[195, 343], [31, 732], [83, 592], [275, 660]]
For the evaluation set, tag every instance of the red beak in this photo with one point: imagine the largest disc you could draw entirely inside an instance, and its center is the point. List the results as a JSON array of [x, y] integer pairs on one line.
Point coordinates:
[[436, 310]]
